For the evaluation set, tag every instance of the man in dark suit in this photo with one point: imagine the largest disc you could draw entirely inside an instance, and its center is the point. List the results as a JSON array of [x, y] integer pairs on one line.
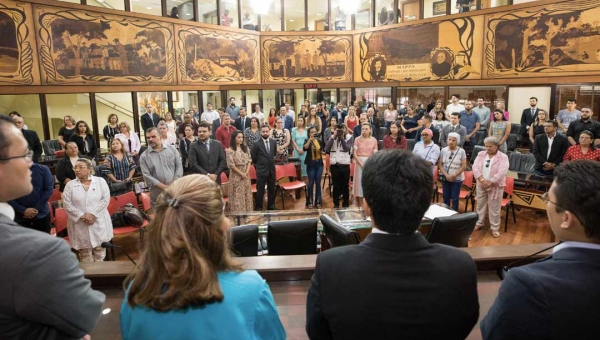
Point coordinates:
[[243, 121], [374, 121], [263, 157], [546, 160], [529, 116], [557, 297], [31, 137], [149, 119], [357, 131], [206, 156], [37, 269], [410, 289]]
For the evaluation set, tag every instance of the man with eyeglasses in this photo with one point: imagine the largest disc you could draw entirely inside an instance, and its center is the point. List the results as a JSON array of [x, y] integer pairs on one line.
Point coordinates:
[[549, 149], [45, 295], [585, 123], [557, 298]]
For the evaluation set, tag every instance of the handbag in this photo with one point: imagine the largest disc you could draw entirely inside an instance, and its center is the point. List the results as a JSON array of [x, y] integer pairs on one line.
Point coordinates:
[[119, 188], [128, 215], [442, 177]]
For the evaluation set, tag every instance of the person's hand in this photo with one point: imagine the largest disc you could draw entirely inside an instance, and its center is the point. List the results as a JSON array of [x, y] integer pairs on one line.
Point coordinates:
[[450, 178], [564, 130], [30, 213], [467, 138], [134, 153], [161, 186], [548, 166], [301, 152], [213, 177], [86, 337], [89, 218]]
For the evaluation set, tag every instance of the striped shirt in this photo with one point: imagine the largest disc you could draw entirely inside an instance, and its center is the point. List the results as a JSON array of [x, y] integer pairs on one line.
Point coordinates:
[[120, 169]]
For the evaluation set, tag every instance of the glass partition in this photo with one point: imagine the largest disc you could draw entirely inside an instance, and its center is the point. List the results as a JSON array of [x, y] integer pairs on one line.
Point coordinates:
[[183, 101], [363, 16], [493, 95], [211, 97], [294, 15], [113, 103], [345, 96], [463, 6], [181, 9], [586, 96], [252, 98], [384, 12], [272, 20], [433, 8], [152, 7], [76, 105], [411, 10], [493, 3], [329, 96], [111, 4], [229, 13], [249, 15], [317, 15], [28, 106], [313, 96], [269, 101], [342, 10], [207, 10], [427, 96], [380, 96]]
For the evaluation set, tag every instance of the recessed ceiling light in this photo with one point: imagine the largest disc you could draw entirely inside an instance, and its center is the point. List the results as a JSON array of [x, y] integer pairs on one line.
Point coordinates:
[[148, 7], [106, 311], [291, 19]]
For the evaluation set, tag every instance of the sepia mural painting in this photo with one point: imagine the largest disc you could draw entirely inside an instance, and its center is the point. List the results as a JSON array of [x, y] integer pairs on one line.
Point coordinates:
[[214, 56], [18, 61], [557, 39], [79, 47], [306, 58], [445, 50]]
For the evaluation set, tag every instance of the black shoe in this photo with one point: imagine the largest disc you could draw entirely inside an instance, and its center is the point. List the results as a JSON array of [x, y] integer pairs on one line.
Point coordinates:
[[271, 208]]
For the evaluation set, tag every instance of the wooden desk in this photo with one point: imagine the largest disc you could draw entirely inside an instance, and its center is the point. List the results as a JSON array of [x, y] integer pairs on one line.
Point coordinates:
[[301, 267]]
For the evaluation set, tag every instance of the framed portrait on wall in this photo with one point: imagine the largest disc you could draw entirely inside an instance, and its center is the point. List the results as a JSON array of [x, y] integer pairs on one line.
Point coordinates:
[[439, 7]]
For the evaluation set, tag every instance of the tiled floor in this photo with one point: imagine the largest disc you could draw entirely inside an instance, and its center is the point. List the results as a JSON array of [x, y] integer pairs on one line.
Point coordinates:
[[290, 298]]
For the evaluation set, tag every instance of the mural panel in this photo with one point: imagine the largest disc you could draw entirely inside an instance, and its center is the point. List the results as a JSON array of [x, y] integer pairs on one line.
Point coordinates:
[[554, 40], [89, 48], [18, 60], [445, 50], [306, 59], [215, 56]]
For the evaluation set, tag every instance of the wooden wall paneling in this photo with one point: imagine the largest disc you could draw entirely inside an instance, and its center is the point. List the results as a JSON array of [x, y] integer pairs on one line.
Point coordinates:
[[45, 119], [94, 115], [136, 113]]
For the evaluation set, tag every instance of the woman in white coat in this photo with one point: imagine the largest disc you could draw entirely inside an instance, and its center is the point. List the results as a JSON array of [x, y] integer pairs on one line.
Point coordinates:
[[85, 200]]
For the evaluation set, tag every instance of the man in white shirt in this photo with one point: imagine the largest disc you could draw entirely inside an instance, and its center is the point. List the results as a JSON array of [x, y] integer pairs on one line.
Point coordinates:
[[557, 297], [209, 115], [455, 106], [258, 114], [290, 111]]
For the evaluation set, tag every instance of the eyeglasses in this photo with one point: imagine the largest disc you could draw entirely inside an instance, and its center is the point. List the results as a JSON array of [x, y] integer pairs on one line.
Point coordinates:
[[28, 156], [451, 155], [545, 199], [487, 163]]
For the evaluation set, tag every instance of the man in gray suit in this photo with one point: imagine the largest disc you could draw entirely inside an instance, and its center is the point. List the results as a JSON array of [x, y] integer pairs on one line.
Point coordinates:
[[45, 295], [454, 126], [206, 156]]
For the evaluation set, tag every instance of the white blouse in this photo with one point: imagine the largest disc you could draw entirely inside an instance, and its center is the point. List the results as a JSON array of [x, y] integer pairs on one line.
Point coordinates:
[[78, 202]]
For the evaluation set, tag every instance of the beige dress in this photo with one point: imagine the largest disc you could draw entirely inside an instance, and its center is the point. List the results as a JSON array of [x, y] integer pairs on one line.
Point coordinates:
[[240, 191]]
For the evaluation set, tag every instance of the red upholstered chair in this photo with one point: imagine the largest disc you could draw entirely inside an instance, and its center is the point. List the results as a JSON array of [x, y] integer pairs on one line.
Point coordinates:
[[61, 218], [145, 197], [56, 196], [115, 203], [466, 192], [224, 180], [506, 202], [253, 178], [287, 170]]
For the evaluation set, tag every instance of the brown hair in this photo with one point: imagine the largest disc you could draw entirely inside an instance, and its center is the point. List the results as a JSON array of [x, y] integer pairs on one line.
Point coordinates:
[[113, 115], [185, 248], [123, 151]]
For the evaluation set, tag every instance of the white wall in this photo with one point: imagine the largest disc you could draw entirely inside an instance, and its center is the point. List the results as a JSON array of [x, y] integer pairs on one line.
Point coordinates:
[[518, 100], [516, 2]]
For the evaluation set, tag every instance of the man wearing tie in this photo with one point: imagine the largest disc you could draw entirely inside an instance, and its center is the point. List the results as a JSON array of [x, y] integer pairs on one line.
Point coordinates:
[[149, 119], [206, 156], [453, 127], [242, 122], [374, 121], [263, 157], [529, 116]]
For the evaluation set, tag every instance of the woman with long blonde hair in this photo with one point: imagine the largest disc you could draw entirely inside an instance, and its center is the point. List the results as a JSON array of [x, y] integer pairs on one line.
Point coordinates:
[[187, 275]]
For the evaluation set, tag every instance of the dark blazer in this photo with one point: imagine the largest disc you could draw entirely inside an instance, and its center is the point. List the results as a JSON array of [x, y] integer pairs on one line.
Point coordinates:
[[264, 162], [527, 120], [147, 122], [554, 298], [64, 170], [92, 150], [436, 134], [540, 150], [238, 123], [205, 163], [34, 143], [409, 289], [216, 124]]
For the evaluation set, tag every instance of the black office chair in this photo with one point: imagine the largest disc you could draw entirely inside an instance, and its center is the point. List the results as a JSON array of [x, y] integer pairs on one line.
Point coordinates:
[[338, 235], [382, 132], [476, 150], [51, 146], [295, 237], [453, 230], [479, 138], [511, 142], [244, 240], [527, 163], [410, 144], [514, 161]]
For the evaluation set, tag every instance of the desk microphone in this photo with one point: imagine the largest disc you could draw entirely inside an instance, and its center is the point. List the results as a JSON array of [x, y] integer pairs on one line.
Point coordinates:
[[107, 245], [502, 271]]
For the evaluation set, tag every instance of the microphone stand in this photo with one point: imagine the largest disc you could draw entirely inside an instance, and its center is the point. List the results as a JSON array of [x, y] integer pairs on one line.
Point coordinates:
[[107, 245]]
